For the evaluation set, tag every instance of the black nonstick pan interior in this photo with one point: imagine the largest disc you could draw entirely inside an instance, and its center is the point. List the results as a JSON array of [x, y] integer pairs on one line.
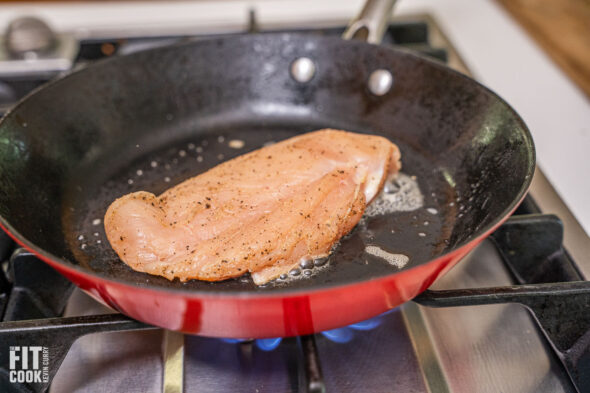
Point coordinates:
[[152, 119]]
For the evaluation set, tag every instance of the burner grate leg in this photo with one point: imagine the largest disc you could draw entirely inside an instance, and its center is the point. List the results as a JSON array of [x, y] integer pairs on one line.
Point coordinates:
[[312, 380], [173, 348]]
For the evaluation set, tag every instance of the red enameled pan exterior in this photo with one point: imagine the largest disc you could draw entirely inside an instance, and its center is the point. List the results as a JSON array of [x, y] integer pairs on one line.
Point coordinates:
[[263, 316], [68, 140]]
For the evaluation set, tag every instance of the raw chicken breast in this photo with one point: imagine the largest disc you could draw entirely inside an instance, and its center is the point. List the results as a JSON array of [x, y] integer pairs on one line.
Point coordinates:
[[261, 212]]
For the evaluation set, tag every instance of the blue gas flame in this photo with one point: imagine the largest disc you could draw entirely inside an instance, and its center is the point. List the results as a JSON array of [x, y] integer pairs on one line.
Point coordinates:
[[232, 340], [340, 335], [369, 324], [268, 344]]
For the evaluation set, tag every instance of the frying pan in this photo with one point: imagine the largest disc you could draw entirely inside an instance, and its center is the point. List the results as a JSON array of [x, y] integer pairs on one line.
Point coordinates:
[[149, 120]]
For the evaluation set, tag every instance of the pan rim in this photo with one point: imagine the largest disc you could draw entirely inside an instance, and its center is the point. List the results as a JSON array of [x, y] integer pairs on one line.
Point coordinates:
[[476, 236]]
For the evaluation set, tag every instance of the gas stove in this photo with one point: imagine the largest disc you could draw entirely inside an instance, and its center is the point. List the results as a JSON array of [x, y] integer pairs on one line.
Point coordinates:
[[468, 333]]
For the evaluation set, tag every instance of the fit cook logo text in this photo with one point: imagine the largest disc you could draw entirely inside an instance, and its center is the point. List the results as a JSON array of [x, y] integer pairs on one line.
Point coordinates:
[[29, 364]]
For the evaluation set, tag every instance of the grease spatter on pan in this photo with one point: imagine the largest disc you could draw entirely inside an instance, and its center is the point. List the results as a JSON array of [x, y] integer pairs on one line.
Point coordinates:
[[400, 193], [236, 143], [397, 260]]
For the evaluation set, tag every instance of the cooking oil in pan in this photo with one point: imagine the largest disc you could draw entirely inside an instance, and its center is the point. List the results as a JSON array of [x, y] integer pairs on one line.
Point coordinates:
[[399, 194], [308, 267], [397, 260], [395, 232]]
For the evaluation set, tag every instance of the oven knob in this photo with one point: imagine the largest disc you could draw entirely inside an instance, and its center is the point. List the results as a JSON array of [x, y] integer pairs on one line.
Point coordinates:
[[28, 37]]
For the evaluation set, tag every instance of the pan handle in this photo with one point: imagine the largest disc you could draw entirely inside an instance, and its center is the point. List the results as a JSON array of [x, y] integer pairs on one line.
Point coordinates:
[[370, 24]]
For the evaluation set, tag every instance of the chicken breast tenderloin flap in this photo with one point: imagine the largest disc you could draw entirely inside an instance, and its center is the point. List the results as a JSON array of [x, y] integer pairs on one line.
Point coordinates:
[[261, 212]]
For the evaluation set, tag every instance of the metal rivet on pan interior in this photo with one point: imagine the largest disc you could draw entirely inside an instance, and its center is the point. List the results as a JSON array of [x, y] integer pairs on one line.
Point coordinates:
[[303, 69], [320, 261], [380, 82]]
